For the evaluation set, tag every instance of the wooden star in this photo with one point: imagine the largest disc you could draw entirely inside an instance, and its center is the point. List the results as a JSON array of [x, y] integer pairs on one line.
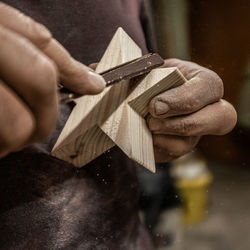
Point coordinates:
[[116, 116]]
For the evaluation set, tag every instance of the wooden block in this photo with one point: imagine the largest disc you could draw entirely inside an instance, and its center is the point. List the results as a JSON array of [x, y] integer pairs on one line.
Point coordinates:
[[116, 116]]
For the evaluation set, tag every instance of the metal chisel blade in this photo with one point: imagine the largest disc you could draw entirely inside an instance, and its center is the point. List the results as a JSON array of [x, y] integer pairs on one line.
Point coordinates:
[[126, 71]]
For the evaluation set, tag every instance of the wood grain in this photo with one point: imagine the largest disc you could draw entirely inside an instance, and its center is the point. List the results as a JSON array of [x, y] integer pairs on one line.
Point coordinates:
[[116, 116]]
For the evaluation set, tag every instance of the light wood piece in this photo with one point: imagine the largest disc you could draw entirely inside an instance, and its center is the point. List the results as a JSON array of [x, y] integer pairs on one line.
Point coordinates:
[[116, 116]]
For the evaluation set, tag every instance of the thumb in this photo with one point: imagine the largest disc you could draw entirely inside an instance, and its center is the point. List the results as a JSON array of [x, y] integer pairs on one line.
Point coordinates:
[[74, 75]]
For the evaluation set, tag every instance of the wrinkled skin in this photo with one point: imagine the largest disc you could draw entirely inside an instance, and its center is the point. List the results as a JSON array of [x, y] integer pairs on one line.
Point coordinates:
[[32, 63], [180, 116], [60, 207]]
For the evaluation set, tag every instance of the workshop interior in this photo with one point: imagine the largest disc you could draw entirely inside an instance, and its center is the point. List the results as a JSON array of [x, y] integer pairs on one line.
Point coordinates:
[[201, 201]]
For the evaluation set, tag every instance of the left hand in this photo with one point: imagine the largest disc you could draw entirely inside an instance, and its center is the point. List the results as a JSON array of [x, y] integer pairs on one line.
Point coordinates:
[[180, 116]]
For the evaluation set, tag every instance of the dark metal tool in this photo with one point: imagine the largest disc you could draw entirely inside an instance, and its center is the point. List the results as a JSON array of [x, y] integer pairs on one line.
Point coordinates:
[[126, 71]]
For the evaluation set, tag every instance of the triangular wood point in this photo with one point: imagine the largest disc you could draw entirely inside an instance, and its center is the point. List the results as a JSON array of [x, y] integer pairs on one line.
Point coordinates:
[[116, 116]]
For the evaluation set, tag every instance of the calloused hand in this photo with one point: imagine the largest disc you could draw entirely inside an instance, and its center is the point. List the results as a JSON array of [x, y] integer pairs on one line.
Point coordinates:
[[32, 63], [181, 115]]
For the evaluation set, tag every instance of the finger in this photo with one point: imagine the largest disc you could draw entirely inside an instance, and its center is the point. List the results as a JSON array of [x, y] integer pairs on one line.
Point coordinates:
[[93, 66], [16, 121], [33, 76], [163, 155], [204, 87], [169, 147], [215, 119], [187, 68], [16, 21], [73, 74]]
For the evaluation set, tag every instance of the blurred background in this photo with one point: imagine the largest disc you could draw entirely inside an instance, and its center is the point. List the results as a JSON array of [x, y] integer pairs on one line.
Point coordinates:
[[206, 201]]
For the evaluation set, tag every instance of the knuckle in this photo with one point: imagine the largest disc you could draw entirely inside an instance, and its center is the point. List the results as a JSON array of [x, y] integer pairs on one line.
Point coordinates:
[[27, 27], [3, 34], [46, 86], [219, 86], [216, 86], [49, 71], [3, 6], [172, 62], [186, 127], [185, 104], [42, 36], [19, 132]]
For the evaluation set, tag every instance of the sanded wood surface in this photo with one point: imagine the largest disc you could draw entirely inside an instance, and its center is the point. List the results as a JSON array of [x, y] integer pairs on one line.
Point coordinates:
[[116, 116]]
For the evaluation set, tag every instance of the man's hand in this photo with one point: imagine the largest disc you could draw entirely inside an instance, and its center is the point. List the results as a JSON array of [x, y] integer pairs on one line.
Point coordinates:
[[180, 116], [31, 64]]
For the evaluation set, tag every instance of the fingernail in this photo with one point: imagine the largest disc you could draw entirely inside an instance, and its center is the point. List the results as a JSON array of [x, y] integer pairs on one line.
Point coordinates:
[[42, 30], [154, 124], [161, 108], [96, 80]]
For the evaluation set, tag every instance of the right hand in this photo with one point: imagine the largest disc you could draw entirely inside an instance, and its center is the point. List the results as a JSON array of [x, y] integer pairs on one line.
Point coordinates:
[[31, 65]]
